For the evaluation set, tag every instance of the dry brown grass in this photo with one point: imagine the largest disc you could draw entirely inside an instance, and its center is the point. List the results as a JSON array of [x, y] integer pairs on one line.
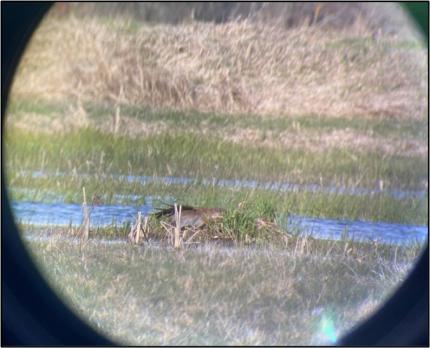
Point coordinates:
[[320, 142], [314, 141], [236, 67]]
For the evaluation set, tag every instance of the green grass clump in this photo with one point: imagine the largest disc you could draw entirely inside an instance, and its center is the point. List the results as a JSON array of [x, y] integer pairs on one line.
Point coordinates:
[[252, 223]]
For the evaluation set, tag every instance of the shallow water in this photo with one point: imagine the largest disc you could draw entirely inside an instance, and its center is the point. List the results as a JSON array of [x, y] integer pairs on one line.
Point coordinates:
[[65, 214], [236, 183], [384, 232]]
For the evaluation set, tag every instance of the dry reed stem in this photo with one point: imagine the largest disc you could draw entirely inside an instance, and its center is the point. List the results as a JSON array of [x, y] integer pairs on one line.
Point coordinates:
[[328, 253], [194, 234], [145, 226], [177, 241], [302, 244], [117, 120], [138, 231], [286, 239], [86, 218], [138, 227], [184, 234], [168, 228]]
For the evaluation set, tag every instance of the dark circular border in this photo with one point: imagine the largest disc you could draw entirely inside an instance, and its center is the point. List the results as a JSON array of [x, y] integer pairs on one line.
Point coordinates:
[[32, 314]]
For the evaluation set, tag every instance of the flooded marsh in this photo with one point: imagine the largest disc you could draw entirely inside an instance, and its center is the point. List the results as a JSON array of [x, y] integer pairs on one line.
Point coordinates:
[[311, 143]]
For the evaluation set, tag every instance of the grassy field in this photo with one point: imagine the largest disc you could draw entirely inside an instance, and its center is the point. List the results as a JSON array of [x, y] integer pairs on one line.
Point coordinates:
[[308, 293], [209, 156], [179, 150]]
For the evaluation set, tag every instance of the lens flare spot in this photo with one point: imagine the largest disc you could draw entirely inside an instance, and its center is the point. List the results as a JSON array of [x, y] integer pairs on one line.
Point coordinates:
[[327, 329]]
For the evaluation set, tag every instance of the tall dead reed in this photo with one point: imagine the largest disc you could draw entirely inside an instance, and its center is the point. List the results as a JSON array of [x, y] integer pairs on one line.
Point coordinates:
[[138, 231], [85, 226], [177, 240], [174, 232]]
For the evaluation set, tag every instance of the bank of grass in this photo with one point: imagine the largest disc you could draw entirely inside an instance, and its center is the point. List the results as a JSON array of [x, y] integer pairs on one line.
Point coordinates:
[[90, 151], [101, 115], [213, 295]]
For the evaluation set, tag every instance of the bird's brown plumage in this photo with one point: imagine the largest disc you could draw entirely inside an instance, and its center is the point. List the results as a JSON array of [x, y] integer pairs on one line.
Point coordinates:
[[190, 216]]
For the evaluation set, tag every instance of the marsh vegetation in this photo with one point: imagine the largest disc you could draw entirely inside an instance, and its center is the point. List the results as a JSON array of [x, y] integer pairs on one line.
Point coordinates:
[[255, 119]]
